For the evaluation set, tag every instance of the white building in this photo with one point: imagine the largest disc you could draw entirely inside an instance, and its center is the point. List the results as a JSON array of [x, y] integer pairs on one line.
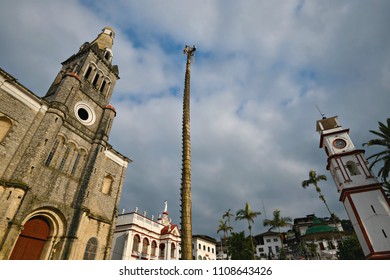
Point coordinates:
[[138, 237], [268, 245], [325, 237], [362, 195], [204, 247], [222, 249]]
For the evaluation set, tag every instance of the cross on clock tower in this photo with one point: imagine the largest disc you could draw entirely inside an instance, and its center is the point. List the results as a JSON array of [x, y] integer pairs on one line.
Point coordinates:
[[361, 193]]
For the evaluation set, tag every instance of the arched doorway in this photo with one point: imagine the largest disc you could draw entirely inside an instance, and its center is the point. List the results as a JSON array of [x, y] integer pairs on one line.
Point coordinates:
[[31, 240]]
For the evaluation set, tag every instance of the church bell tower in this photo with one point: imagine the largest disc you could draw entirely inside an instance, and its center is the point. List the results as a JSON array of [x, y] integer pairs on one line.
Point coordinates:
[[60, 179], [362, 195], [83, 87]]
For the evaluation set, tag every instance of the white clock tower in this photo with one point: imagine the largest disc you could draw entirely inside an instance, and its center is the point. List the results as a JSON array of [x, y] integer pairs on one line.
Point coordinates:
[[362, 195]]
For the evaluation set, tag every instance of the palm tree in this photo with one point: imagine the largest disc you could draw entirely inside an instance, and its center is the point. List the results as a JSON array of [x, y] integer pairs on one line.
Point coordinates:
[[313, 180], [186, 203], [278, 222], [249, 215], [384, 141], [224, 227], [227, 215]]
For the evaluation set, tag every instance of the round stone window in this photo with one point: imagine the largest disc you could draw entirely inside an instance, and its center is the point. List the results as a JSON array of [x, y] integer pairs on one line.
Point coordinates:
[[84, 113]]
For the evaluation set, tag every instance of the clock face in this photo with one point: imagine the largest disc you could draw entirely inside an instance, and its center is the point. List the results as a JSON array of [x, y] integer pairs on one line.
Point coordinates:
[[339, 143]]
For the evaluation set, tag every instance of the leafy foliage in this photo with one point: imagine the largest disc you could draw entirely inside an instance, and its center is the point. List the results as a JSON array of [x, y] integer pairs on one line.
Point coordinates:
[[350, 250], [383, 156], [240, 246]]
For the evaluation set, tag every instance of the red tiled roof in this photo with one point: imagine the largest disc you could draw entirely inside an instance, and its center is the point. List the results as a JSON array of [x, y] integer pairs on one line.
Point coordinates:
[[168, 229]]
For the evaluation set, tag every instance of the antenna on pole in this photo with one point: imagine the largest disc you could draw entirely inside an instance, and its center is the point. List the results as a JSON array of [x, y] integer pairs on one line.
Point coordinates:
[[322, 115], [265, 214]]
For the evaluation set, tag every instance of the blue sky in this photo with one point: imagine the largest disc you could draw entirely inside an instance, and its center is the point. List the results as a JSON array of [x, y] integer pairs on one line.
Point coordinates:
[[261, 69]]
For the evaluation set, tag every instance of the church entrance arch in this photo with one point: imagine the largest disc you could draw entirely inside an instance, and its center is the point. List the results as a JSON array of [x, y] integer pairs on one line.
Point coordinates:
[[41, 237], [32, 240]]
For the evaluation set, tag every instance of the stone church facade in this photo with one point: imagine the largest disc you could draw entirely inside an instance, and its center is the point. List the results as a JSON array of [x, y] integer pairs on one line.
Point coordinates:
[[60, 179]]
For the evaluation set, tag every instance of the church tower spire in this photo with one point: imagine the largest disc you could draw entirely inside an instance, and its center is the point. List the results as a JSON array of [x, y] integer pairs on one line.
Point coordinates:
[[92, 67], [105, 39], [362, 195]]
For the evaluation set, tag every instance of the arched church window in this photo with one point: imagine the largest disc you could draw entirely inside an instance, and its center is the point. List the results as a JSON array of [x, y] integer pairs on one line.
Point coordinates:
[[136, 242], [107, 184], [91, 249], [52, 152], [95, 80], [88, 72], [64, 158], [102, 86], [352, 168], [76, 162], [108, 87], [5, 125]]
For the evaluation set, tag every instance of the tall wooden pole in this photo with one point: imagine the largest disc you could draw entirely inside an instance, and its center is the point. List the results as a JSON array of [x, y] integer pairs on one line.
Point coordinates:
[[186, 211]]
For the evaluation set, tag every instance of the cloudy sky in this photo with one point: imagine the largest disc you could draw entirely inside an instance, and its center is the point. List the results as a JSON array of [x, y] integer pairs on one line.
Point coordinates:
[[261, 69]]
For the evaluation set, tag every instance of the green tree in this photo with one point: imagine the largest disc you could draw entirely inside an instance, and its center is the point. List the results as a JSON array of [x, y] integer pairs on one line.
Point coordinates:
[[347, 226], [278, 222], [350, 249], [239, 247], [312, 248], [384, 156], [249, 215]]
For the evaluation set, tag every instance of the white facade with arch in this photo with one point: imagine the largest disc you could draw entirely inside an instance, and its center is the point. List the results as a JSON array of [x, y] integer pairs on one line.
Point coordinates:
[[138, 237]]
